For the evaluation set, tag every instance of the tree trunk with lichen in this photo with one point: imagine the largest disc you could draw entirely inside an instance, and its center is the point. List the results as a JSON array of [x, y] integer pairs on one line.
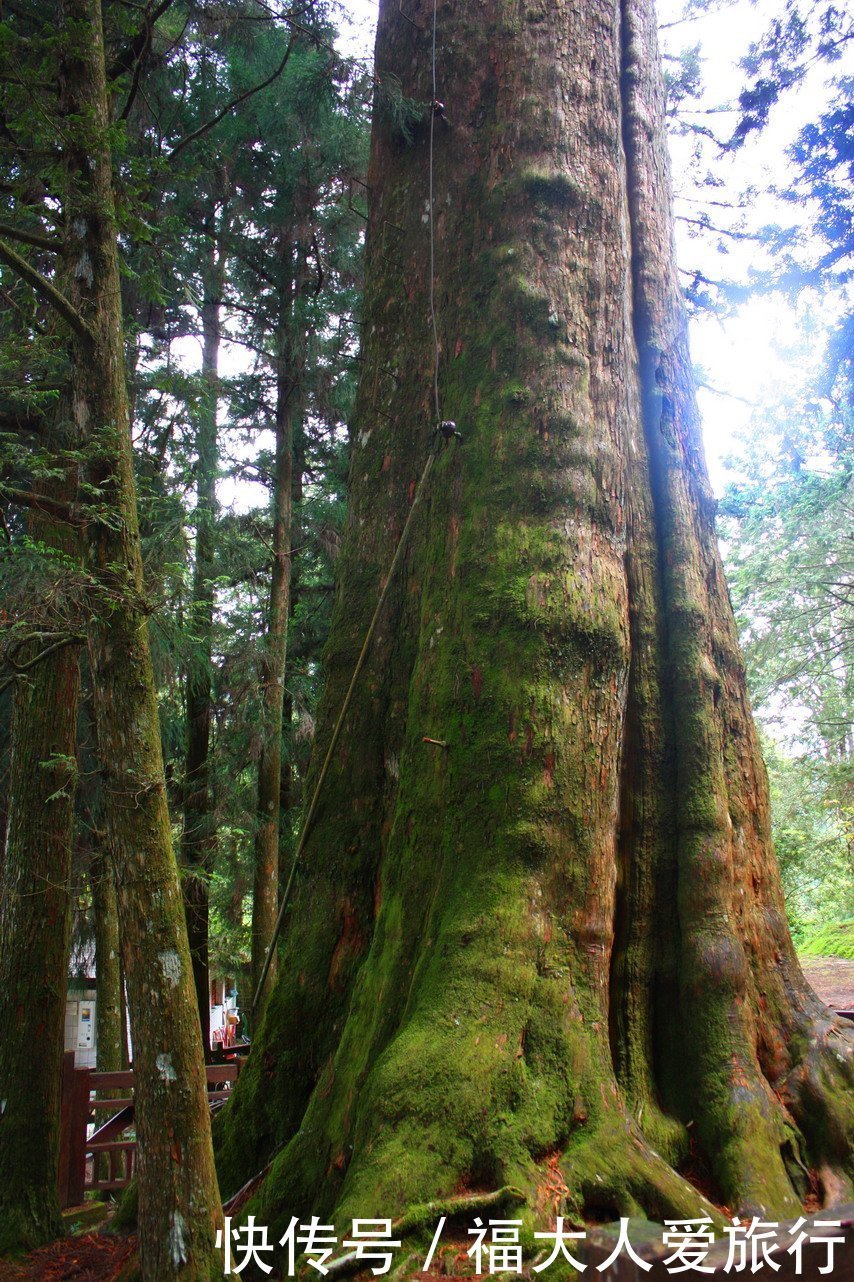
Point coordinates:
[[35, 908], [35, 866], [179, 1204], [555, 947], [108, 971]]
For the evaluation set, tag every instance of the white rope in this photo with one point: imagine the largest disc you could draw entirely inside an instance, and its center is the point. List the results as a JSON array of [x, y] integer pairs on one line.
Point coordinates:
[[433, 234]]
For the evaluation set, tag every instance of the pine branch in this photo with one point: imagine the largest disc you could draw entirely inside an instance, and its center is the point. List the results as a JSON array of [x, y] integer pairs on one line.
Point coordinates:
[[45, 290], [235, 102], [51, 507], [19, 668], [37, 239], [135, 50]]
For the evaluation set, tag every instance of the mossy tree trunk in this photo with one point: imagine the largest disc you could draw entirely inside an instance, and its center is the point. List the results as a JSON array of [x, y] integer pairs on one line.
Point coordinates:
[[35, 906], [35, 866], [198, 842], [179, 1206], [110, 1035], [559, 941], [108, 970]]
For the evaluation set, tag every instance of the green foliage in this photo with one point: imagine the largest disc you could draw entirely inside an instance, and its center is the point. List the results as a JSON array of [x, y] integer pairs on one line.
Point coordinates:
[[836, 940], [811, 840], [262, 183], [786, 527], [403, 114]]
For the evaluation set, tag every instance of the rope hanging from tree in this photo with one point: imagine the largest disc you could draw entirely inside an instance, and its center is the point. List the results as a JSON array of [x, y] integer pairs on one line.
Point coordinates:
[[445, 430]]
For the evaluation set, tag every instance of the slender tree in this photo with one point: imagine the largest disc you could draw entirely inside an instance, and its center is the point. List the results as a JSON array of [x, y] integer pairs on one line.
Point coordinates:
[[111, 1035], [538, 924], [110, 1026], [178, 1194], [199, 839], [290, 372]]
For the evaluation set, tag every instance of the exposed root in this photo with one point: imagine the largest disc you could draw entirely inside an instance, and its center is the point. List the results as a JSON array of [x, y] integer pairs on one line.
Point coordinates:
[[613, 1172], [420, 1217], [819, 1096]]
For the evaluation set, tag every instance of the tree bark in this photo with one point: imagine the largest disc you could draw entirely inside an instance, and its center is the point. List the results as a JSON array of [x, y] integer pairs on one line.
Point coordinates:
[[35, 868], [179, 1206], [108, 970], [557, 943], [35, 921], [110, 1035], [199, 839]]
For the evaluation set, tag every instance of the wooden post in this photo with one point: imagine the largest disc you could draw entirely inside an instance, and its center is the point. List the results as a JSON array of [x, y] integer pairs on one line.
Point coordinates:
[[77, 1136], [66, 1097]]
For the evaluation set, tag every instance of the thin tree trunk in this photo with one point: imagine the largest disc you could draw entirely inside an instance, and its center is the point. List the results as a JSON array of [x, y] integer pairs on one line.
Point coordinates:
[[109, 1023], [290, 397], [108, 971], [290, 786], [199, 840], [179, 1205], [550, 947]]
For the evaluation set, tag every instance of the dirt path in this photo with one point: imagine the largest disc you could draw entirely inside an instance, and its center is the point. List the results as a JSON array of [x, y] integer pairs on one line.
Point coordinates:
[[833, 980]]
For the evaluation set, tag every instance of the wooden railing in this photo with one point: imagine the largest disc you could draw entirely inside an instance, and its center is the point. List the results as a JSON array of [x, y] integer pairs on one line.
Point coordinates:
[[104, 1160]]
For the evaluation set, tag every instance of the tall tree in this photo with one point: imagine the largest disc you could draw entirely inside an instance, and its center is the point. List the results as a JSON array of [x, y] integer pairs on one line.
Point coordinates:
[[300, 242], [290, 408], [110, 1022], [179, 1198], [198, 843], [551, 931]]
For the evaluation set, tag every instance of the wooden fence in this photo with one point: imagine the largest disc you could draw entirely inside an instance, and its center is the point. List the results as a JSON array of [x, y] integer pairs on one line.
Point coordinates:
[[105, 1159]]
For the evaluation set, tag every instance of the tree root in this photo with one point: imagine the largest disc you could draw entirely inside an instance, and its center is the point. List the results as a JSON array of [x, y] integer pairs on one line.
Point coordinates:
[[418, 1217], [614, 1172]]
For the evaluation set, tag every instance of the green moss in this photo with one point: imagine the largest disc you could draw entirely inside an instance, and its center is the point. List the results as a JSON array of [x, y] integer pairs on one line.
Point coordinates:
[[553, 190], [527, 303]]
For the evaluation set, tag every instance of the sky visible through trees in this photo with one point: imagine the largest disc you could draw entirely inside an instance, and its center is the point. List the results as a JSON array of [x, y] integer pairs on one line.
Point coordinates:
[[746, 358]]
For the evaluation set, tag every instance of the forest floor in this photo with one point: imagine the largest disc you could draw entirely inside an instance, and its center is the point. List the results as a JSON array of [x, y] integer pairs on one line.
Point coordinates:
[[94, 1257], [833, 980]]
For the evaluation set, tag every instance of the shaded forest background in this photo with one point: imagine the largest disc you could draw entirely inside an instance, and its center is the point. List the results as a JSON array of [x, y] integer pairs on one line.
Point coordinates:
[[240, 146]]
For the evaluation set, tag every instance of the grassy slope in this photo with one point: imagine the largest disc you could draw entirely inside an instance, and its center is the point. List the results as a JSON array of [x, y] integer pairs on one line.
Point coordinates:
[[834, 940]]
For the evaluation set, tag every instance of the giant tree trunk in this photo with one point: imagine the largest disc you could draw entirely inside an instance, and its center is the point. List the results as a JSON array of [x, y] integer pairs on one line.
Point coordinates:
[[561, 939], [178, 1195]]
